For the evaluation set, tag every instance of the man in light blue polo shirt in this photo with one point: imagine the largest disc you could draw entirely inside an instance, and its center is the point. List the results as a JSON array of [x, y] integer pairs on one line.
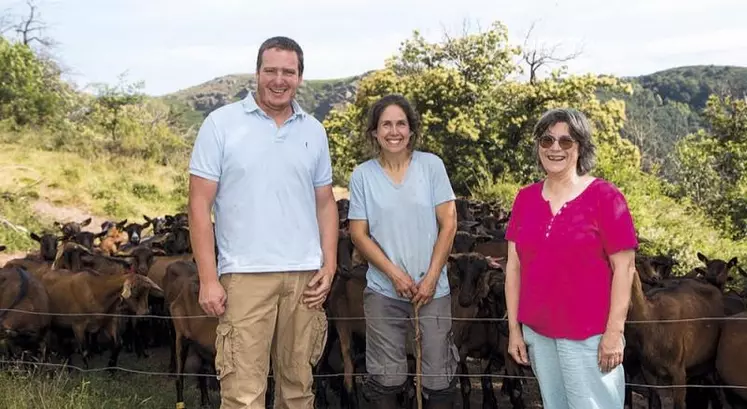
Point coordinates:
[[264, 165]]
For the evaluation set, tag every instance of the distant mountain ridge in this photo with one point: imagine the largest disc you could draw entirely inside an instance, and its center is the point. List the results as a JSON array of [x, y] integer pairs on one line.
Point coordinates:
[[688, 85], [317, 97]]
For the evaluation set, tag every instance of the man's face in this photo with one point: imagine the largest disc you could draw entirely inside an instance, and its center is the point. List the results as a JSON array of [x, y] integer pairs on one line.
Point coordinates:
[[278, 79]]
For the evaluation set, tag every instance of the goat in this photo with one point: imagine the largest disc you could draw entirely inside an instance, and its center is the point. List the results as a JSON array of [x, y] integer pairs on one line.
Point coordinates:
[[135, 232], [465, 242], [36, 264], [88, 294], [477, 292], [158, 224], [113, 238], [731, 360], [70, 229], [680, 349], [20, 291], [181, 292]]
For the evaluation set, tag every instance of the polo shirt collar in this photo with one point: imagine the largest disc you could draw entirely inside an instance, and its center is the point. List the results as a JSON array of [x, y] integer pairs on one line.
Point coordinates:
[[250, 105]]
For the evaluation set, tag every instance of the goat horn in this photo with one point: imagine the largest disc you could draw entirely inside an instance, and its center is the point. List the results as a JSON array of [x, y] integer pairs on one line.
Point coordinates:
[[127, 288], [152, 283]]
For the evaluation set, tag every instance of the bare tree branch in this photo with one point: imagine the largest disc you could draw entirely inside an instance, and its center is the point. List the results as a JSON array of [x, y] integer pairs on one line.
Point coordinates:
[[31, 28], [537, 57]]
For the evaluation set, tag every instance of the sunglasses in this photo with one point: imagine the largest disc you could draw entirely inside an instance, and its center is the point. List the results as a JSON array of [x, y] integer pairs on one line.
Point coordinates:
[[565, 142]]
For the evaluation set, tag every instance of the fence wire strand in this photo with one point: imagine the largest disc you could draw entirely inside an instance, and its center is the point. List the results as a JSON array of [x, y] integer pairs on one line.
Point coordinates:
[[333, 375], [475, 319]]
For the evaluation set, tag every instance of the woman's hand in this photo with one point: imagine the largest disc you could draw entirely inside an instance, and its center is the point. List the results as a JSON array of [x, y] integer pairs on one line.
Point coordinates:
[[610, 353], [517, 348], [426, 288], [404, 284]]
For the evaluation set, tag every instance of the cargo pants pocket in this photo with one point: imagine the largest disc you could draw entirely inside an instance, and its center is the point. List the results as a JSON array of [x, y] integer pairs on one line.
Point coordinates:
[[224, 351], [319, 328]]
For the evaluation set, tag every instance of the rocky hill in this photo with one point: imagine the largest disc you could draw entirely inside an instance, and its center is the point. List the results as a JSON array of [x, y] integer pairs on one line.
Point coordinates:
[[315, 96]]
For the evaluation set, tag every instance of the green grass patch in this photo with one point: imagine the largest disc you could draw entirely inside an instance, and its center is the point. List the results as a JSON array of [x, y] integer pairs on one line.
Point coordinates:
[[107, 186], [25, 388]]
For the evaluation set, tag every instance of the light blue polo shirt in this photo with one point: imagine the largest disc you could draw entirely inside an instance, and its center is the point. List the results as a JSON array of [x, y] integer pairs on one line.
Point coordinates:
[[402, 217], [265, 207]]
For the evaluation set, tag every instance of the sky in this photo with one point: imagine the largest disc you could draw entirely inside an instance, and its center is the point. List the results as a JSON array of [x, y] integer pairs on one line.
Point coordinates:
[[174, 44]]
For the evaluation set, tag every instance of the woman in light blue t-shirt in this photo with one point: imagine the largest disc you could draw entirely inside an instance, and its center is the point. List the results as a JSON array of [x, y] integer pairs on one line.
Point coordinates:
[[403, 221]]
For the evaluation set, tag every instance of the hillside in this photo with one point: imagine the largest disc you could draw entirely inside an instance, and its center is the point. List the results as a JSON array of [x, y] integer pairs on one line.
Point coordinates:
[[689, 86], [692, 85], [315, 96]]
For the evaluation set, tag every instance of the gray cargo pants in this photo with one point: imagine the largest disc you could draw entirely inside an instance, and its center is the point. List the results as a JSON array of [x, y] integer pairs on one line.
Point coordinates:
[[386, 340]]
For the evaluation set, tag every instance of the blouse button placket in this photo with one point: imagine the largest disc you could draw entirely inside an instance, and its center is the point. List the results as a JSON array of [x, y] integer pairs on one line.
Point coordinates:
[[552, 219]]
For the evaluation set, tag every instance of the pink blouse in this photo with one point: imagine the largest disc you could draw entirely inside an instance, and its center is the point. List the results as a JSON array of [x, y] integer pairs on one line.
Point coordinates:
[[566, 276]]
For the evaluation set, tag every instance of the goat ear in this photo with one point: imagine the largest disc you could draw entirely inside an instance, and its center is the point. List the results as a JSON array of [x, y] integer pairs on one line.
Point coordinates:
[[127, 288], [742, 272], [2, 248], [35, 237], [148, 219], [86, 222], [702, 258], [484, 238], [732, 262]]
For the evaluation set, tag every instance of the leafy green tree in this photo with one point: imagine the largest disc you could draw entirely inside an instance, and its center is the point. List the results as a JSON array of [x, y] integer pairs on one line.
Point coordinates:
[[476, 115], [712, 164], [28, 95], [111, 104]]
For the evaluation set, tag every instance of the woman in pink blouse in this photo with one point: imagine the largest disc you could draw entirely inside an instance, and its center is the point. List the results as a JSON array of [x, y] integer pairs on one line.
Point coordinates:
[[570, 267]]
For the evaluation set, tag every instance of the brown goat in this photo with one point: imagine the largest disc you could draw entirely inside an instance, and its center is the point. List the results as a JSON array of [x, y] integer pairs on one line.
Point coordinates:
[[731, 359], [115, 237], [181, 290], [675, 351], [37, 263], [21, 291], [70, 229], [89, 293]]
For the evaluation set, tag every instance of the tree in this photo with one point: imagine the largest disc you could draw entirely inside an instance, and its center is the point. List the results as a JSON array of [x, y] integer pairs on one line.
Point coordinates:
[[111, 102], [712, 164], [475, 114], [29, 92]]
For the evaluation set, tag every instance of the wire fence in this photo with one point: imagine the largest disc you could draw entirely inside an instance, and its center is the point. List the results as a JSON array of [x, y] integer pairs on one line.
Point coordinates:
[[341, 374], [4, 311], [473, 319]]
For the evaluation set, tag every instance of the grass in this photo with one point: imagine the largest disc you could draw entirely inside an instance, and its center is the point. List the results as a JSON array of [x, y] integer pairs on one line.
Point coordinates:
[[21, 388], [111, 187]]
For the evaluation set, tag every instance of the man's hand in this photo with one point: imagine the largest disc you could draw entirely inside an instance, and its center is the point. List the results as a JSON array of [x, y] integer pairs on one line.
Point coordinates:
[[319, 287], [426, 288], [212, 298]]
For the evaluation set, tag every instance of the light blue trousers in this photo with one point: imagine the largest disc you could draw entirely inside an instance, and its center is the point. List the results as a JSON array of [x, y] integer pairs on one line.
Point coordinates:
[[569, 375]]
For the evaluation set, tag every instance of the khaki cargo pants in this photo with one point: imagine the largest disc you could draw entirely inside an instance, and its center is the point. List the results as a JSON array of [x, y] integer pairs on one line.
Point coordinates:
[[265, 317]]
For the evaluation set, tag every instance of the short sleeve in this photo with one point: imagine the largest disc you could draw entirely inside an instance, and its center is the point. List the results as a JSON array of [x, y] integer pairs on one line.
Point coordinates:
[[357, 205], [512, 226], [441, 185], [207, 152], [616, 227], [323, 172]]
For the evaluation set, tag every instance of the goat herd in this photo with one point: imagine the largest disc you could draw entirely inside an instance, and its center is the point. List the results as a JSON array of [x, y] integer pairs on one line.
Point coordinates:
[[76, 295]]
